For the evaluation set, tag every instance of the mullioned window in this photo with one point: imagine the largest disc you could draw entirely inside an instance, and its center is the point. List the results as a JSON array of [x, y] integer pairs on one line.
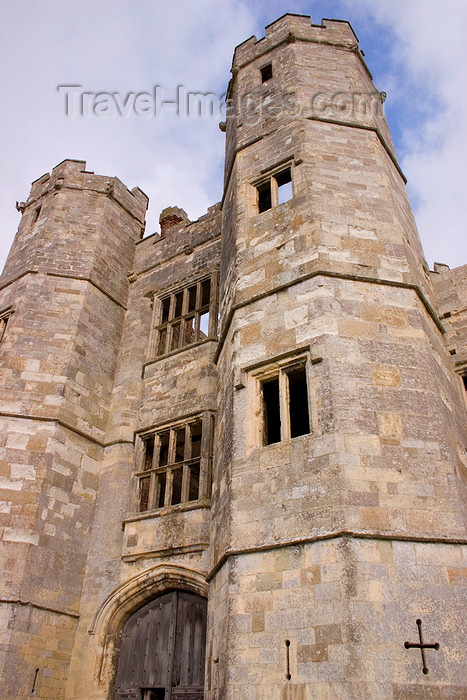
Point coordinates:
[[185, 317], [174, 464]]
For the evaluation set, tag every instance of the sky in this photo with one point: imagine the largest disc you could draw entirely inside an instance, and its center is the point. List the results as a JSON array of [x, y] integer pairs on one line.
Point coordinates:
[[416, 50]]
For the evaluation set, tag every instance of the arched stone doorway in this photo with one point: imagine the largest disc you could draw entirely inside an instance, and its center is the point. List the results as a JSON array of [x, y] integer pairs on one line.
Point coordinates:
[[162, 650]]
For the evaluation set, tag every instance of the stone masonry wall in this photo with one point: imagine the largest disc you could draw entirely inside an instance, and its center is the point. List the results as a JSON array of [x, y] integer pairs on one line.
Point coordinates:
[[65, 284], [345, 607], [148, 391]]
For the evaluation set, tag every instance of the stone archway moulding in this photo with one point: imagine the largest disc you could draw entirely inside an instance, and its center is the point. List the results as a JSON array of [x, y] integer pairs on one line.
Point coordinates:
[[121, 603]]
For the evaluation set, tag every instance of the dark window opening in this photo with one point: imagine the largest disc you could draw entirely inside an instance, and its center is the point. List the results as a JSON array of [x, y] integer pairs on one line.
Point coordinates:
[[196, 431], [161, 484], [464, 379], [165, 309], [264, 197], [298, 402], [180, 445], [162, 341], [205, 292], [148, 453], [271, 412], [192, 298], [3, 324], [144, 486], [193, 492], [276, 190], [285, 403], [190, 330], [175, 336], [178, 305], [266, 72], [164, 449], [36, 215], [177, 479], [284, 186]]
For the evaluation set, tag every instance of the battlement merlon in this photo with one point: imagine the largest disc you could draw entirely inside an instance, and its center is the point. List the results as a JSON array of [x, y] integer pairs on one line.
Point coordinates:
[[292, 27], [72, 174]]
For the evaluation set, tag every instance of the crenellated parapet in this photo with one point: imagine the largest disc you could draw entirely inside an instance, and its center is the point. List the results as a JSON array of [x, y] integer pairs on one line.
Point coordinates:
[[292, 27]]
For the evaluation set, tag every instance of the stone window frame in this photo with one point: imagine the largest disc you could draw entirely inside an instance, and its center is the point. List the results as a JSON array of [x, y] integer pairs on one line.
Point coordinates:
[[175, 315], [255, 376], [266, 72], [4, 318], [267, 187], [164, 481]]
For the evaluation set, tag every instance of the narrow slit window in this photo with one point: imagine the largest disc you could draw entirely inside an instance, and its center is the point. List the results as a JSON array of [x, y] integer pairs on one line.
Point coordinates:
[[180, 445], [162, 341], [192, 298], [3, 324], [175, 336], [164, 449], [266, 72], [204, 325], [177, 479], [193, 492], [190, 331], [196, 432], [37, 213], [178, 304], [284, 186], [264, 197], [160, 495], [298, 402], [165, 309], [144, 486], [205, 292], [464, 379], [148, 453], [271, 411]]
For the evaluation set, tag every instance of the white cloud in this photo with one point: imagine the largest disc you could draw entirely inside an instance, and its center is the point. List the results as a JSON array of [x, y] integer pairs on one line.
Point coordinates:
[[125, 46], [112, 46], [427, 84]]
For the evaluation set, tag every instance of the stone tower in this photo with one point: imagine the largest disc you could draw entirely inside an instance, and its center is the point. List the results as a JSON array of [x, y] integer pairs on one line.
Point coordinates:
[[259, 409]]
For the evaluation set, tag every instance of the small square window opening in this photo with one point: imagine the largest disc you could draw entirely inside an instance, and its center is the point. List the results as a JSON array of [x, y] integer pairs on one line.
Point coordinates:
[[266, 72], [276, 190]]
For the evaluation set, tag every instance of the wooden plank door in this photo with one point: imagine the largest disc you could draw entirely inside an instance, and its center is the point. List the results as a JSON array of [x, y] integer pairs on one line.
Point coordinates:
[[162, 651]]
